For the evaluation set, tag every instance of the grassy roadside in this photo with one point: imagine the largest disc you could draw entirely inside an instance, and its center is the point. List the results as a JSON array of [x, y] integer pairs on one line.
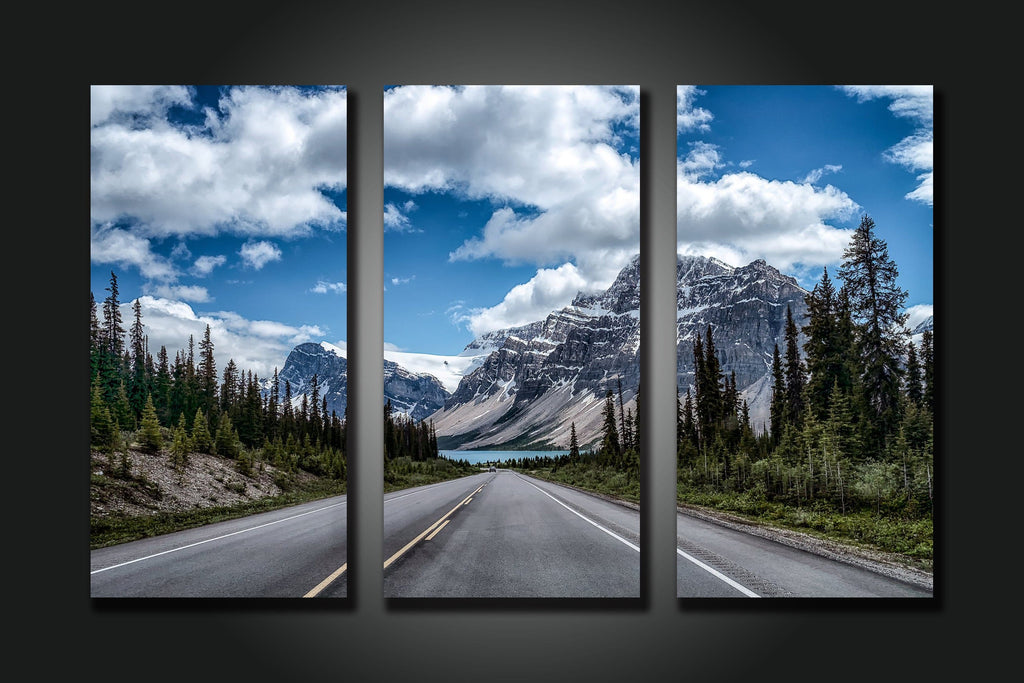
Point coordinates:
[[910, 539], [404, 472]]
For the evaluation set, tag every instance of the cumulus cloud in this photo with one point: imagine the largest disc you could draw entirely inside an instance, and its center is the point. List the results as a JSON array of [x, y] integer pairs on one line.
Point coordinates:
[[702, 159], [550, 289], [124, 248], [250, 343], [258, 254], [256, 166], [195, 294], [547, 159], [107, 102], [915, 153], [688, 116], [742, 216], [204, 265]]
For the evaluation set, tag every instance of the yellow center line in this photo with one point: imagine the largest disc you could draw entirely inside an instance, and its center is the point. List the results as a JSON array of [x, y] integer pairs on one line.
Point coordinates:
[[323, 584], [429, 529], [438, 529]]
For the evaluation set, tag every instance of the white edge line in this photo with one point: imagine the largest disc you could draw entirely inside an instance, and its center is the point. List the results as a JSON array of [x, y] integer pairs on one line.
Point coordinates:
[[586, 519], [217, 538], [711, 570]]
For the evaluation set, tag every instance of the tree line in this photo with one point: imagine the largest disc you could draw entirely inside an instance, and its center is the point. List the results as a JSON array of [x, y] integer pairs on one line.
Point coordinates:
[[852, 408], [183, 406], [617, 447]]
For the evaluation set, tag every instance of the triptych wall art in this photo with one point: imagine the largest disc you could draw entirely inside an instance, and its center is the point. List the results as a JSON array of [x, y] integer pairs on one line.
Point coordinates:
[[513, 458]]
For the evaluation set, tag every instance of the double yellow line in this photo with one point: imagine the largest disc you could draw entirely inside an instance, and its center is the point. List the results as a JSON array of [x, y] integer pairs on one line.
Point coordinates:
[[444, 520], [432, 530]]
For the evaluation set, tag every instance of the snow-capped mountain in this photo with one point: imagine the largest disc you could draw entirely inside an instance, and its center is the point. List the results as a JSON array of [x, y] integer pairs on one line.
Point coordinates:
[[327, 362], [542, 377], [525, 386], [412, 393], [746, 309]]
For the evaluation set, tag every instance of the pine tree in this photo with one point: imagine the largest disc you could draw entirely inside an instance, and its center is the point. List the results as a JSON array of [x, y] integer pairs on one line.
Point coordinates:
[[795, 378], [226, 440], [709, 391], [314, 403], [113, 331], [202, 441], [928, 370], [207, 373], [824, 357], [150, 439], [877, 308], [95, 348], [778, 402], [138, 387], [914, 389], [636, 424], [101, 426], [162, 387], [623, 423], [610, 444], [574, 445], [181, 445]]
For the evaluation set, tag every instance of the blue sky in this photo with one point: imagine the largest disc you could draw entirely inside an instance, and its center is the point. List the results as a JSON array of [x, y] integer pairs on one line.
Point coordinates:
[[501, 203], [222, 206], [785, 173]]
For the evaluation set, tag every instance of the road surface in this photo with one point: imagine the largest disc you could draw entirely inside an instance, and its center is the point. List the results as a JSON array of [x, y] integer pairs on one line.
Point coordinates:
[[294, 552], [505, 535], [490, 535], [714, 561]]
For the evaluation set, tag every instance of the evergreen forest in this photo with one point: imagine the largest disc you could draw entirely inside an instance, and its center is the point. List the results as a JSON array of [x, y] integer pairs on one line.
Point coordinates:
[[849, 449]]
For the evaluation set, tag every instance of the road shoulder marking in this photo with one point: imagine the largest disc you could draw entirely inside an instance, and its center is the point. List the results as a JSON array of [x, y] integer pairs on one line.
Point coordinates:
[[586, 519], [717, 574]]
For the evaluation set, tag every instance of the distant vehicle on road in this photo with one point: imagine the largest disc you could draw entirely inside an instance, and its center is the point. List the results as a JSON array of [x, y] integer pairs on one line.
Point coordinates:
[[492, 469]]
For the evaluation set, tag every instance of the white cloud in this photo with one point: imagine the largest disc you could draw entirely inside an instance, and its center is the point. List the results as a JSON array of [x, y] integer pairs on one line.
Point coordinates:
[[742, 216], [689, 117], [322, 287], [107, 101], [256, 167], [915, 153], [402, 280], [126, 249], [397, 219], [258, 254], [204, 265], [817, 174], [195, 294], [545, 156], [550, 289], [702, 159], [256, 345]]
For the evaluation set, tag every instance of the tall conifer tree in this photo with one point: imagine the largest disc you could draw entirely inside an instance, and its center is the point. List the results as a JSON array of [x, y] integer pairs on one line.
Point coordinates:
[[877, 307]]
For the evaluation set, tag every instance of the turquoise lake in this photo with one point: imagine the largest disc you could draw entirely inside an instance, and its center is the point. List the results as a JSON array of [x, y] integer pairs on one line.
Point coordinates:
[[476, 457]]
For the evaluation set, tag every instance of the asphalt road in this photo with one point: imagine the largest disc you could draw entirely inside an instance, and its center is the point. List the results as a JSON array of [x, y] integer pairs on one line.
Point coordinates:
[[295, 552], [505, 535], [489, 535], [713, 561]]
